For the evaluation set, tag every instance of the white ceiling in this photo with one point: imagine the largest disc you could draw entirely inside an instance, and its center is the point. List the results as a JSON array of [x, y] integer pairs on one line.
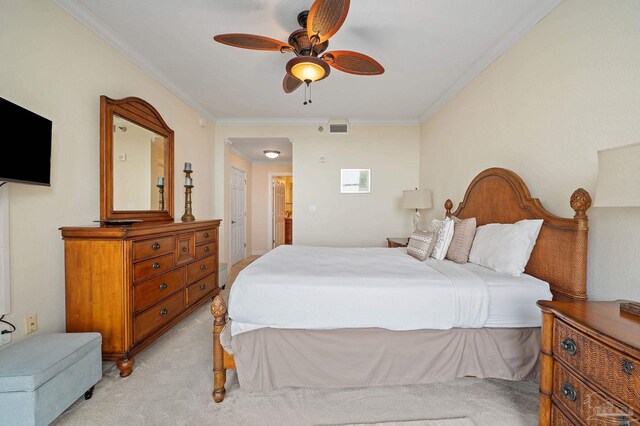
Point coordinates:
[[429, 48], [251, 148]]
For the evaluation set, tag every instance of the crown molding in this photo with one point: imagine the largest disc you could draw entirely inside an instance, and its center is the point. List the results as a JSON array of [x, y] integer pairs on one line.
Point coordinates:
[[87, 18], [515, 33], [270, 121], [311, 121], [384, 122]]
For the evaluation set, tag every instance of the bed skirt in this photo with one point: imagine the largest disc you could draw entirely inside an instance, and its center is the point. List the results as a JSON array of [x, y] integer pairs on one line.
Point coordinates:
[[271, 358]]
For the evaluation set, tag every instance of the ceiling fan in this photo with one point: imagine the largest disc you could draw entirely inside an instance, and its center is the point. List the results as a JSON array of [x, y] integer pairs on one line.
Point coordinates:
[[309, 43]]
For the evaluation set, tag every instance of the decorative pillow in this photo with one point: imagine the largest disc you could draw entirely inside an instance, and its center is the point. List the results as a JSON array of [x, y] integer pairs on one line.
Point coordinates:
[[463, 232], [420, 244], [443, 231], [505, 247]]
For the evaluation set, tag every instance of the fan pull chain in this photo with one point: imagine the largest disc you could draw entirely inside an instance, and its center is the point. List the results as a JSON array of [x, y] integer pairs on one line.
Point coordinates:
[[307, 86]]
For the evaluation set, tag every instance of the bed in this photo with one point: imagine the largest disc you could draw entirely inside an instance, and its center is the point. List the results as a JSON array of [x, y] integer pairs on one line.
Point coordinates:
[[351, 317]]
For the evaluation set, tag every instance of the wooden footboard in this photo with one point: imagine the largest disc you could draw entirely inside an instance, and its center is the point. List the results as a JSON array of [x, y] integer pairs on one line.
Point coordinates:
[[222, 360]]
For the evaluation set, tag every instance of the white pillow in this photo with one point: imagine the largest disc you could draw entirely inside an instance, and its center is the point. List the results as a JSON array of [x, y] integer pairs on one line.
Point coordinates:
[[505, 247], [443, 230]]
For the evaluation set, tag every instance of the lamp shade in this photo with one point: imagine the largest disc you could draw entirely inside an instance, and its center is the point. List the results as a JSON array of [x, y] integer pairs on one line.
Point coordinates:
[[618, 182], [416, 199], [308, 68]]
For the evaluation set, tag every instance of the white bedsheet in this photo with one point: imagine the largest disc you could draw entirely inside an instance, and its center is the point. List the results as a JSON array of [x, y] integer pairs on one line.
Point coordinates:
[[512, 299], [326, 287]]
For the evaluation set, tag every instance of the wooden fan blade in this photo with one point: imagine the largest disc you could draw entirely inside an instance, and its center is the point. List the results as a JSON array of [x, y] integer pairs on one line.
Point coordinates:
[[353, 62], [325, 18], [290, 83], [253, 42]]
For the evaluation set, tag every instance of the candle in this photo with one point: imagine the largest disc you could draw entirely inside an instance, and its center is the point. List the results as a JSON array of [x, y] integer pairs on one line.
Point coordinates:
[[187, 167], [188, 181], [161, 181]]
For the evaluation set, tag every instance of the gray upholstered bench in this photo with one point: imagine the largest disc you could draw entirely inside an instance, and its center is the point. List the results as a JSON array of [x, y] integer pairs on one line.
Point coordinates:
[[42, 376]]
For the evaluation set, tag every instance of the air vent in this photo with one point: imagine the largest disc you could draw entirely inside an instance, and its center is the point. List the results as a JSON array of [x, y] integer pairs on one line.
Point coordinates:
[[338, 127]]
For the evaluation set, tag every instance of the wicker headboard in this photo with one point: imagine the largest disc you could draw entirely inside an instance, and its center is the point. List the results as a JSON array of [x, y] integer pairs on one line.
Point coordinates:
[[560, 255]]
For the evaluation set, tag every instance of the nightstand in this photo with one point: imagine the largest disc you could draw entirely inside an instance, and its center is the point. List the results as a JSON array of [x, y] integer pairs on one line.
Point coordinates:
[[397, 242], [590, 364]]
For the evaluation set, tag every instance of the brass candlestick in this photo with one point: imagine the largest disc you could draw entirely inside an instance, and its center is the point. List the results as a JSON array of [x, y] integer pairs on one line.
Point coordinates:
[[161, 201], [187, 216]]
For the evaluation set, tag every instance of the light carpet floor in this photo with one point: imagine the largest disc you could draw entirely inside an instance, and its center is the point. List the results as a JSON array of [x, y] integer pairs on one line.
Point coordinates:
[[172, 380]]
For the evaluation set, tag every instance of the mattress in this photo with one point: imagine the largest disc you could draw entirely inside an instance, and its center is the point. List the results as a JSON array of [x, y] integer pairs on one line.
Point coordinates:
[[315, 288]]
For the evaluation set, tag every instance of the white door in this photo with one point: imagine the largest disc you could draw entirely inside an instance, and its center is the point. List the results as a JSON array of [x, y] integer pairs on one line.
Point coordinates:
[[278, 211], [237, 200]]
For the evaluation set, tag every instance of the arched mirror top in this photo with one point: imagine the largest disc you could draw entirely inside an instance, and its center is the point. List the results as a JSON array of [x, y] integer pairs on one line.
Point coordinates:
[[136, 161]]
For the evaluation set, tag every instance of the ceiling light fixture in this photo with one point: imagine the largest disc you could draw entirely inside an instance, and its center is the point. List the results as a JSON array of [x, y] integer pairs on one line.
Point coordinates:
[[271, 153], [309, 44]]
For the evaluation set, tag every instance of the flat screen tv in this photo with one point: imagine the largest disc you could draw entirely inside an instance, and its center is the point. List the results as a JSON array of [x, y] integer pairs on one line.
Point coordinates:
[[27, 157]]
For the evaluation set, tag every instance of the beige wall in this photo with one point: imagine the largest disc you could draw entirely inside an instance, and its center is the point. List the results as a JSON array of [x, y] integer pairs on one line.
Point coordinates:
[[56, 67], [392, 154], [241, 163], [261, 218], [570, 87]]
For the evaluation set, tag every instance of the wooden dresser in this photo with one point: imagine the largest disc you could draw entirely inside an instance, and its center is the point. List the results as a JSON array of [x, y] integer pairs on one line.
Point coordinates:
[[590, 364], [132, 284]]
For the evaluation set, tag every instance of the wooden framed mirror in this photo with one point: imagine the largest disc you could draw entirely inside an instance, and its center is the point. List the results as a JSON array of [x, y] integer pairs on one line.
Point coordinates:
[[136, 162]]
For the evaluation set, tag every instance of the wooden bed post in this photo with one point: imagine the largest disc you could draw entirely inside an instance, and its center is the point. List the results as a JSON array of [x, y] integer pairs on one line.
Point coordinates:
[[219, 312], [580, 202], [448, 205]]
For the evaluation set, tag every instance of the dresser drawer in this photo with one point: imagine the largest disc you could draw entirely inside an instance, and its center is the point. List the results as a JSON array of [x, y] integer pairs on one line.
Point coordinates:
[[186, 248], [200, 289], [613, 371], [205, 236], [152, 267], [585, 403], [157, 316], [153, 247], [558, 418], [205, 250], [200, 268], [149, 292]]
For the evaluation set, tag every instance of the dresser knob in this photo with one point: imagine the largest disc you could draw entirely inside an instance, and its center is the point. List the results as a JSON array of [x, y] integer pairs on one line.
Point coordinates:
[[163, 312], [155, 246], [203, 286], [627, 367], [569, 346], [624, 421], [569, 392], [206, 235], [184, 249], [203, 267], [206, 249], [163, 286], [156, 265]]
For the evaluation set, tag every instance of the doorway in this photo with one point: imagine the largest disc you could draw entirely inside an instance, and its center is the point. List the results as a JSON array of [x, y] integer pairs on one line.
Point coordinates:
[[237, 198], [281, 209]]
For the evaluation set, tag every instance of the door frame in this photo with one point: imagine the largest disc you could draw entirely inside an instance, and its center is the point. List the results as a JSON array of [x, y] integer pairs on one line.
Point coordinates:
[[272, 175], [244, 214]]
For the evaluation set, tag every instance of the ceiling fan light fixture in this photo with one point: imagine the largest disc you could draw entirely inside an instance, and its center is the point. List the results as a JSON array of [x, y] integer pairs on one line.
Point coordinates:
[[308, 68], [271, 153]]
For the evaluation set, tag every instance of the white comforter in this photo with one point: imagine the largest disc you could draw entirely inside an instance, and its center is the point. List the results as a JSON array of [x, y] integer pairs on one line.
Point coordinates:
[[305, 287]]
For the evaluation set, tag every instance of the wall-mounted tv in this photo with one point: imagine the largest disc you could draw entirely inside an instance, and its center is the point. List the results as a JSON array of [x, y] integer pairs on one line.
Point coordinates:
[[27, 157]]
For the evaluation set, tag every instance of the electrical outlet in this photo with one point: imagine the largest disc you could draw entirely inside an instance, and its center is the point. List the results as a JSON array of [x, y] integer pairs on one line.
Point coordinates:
[[4, 338], [31, 324]]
